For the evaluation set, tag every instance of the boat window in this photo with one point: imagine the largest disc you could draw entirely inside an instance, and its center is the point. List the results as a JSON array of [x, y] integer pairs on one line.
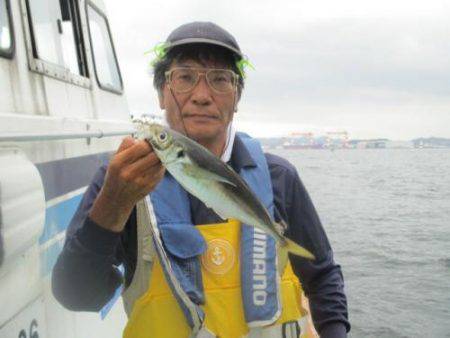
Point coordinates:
[[57, 34], [105, 61], [6, 36]]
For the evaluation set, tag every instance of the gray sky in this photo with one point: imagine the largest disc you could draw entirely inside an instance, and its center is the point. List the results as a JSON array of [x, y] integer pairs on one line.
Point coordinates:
[[375, 69]]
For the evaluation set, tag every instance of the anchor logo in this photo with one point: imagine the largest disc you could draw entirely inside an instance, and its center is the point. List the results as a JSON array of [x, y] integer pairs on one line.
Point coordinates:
[[219, 256]]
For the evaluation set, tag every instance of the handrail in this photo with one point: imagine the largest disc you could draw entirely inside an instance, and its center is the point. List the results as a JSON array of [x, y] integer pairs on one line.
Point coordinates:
[[30, 137]]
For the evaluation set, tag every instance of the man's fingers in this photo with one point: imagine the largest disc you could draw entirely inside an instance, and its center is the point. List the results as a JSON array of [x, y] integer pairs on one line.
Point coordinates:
[[135, 152], [144, 165], [153, 177], [127, 142]]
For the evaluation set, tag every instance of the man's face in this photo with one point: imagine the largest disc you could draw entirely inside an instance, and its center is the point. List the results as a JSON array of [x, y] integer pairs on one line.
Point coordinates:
[[205, 113]]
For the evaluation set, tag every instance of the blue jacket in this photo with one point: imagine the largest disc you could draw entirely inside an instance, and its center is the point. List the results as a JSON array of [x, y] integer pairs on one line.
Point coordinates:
[[87, 287]]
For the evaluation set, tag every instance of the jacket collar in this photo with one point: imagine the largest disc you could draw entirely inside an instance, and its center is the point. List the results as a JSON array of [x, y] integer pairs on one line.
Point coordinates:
[[240, 157]]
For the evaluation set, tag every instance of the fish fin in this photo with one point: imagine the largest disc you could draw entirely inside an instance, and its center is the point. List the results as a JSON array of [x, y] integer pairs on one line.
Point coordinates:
[[205, 174], [297, 250], [283, 259], [282, 226]]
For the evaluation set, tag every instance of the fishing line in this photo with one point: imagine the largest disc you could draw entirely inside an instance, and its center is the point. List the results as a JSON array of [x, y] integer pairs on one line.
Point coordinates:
[[179, 111], [229, 131]]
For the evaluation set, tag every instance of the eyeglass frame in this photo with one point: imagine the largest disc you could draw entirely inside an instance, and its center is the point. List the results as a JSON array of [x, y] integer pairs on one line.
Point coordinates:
[[168, 75]]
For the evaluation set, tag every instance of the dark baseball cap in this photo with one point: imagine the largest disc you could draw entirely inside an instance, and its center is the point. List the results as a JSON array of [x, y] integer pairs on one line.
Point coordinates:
[[203, 32]]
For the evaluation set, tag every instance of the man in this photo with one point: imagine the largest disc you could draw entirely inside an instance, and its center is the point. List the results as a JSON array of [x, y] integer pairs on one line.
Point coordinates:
[[199, 82]]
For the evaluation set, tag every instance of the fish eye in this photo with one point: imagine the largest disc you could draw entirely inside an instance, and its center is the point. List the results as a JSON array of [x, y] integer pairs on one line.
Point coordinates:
[[162, 136]]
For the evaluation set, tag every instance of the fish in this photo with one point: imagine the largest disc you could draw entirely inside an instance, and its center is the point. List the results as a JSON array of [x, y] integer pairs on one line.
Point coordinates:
[[216, 184]]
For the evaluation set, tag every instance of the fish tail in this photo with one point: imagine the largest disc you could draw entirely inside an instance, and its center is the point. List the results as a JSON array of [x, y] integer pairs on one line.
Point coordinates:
[[282, 260], [297, 250]]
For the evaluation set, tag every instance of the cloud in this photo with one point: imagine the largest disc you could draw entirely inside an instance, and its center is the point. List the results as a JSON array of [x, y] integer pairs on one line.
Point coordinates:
[[376, 68]]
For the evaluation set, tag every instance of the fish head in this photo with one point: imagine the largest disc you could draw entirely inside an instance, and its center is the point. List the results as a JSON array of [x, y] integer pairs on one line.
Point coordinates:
[[158, 136], [163, 142]]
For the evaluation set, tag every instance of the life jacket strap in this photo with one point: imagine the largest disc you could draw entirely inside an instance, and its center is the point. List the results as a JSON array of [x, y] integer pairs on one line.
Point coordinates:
[[193, 313]]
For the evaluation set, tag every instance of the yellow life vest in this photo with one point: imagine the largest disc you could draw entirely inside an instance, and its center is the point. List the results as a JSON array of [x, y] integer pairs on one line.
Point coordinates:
[[156, 314]]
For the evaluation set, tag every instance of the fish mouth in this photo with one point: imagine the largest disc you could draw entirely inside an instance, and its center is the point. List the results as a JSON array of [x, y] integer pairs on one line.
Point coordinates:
[[151, 140]]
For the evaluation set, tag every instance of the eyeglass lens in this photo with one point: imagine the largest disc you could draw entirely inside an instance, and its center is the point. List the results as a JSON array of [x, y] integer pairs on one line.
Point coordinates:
[[185, 79]]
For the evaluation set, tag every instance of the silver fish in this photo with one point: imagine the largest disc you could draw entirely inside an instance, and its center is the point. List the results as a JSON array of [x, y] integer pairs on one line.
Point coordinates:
[[215, 183]]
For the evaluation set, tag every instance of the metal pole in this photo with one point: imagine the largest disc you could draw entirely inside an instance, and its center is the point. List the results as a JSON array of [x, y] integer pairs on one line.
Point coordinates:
[[30, 137]]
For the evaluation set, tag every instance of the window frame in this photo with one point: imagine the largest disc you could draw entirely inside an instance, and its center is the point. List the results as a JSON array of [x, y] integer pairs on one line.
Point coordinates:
[[9, 53], [100, 85], [51, 69], [79, 40]]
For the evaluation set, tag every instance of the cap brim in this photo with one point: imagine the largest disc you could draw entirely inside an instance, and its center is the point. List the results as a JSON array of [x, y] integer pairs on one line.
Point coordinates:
[[205, 41]]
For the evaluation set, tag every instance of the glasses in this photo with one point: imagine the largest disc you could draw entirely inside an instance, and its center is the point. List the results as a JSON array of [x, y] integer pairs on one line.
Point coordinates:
[[184, 80]]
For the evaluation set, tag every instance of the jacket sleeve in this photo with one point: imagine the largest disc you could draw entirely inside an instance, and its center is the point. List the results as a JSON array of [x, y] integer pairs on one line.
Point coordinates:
[[321, 279], [85, 275]]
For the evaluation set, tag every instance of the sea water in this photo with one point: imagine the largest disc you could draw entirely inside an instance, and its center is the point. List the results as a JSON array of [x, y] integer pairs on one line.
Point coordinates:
[[387, 215]]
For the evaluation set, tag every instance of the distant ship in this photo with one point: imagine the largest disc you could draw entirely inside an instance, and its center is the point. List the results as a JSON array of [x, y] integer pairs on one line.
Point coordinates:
[[333, 139], [290, 145]]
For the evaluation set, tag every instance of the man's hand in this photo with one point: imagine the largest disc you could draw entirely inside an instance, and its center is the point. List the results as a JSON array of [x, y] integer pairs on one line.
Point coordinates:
[[133, 172]]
